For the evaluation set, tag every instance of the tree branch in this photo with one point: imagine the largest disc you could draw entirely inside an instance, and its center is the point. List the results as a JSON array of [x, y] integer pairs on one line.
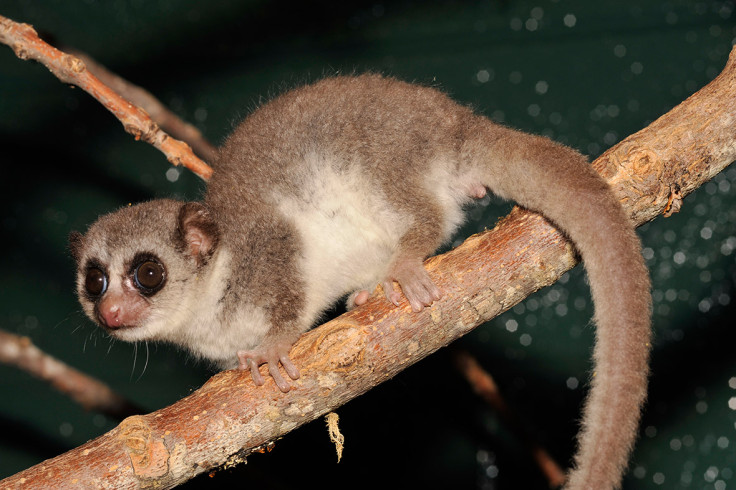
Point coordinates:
[[162, 115], [485, 386], [229, 417], [26, 44]]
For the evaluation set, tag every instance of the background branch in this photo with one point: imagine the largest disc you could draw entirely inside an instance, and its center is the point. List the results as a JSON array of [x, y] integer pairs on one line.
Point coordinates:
[[90, 393], [162, 115], [485, 386], [228, 418], [26, 44]]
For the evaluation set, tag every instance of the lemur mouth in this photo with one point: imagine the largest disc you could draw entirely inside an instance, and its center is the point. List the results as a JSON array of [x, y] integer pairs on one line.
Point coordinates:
[[112, 323], [126, 333], [117, 328]]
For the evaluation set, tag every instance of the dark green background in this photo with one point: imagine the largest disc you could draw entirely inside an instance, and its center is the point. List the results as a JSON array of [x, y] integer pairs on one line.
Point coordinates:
[[584, 73]]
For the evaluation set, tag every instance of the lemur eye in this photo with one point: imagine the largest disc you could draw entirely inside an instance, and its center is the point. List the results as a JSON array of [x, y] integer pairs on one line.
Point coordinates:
[[149, 276], [95, 283]]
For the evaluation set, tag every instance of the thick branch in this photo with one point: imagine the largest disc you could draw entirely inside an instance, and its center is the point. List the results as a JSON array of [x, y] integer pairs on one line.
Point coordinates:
[[69, 69], [229, 417], [85, 390]]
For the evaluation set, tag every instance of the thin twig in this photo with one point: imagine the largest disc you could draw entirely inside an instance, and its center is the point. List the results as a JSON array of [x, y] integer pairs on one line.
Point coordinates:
[[26, 44], [164, 117]]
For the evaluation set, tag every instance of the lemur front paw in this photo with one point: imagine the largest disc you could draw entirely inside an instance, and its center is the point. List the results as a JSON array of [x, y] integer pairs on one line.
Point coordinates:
[[273, 354], [417, 286]]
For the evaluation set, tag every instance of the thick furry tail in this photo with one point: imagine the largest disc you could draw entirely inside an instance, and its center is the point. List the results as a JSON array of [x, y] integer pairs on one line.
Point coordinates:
[[560, 184]]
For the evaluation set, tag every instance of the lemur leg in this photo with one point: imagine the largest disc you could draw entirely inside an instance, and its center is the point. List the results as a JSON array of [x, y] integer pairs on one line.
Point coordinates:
[[406, 268]]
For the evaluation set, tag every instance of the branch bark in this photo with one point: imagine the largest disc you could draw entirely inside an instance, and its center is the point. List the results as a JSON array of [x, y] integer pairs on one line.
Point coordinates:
[[26, 44], [229, 418]]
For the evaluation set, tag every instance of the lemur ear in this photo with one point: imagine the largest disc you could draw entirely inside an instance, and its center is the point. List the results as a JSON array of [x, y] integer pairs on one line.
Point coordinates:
[[198, 232]]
